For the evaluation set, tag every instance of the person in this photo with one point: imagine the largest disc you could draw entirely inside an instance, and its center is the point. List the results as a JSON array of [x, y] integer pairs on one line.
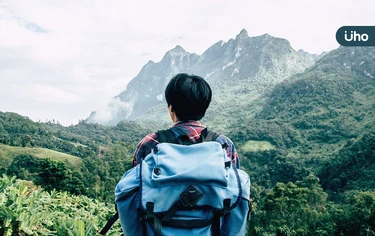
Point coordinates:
[[217, 202], [188, 97]]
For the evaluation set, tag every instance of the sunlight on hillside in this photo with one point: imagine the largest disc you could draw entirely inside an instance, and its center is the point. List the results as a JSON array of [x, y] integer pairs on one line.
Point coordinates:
[[9, 152], [256, 146]]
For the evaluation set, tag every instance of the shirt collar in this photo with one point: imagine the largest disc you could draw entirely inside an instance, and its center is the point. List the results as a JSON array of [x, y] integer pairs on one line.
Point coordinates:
[[189, 123]]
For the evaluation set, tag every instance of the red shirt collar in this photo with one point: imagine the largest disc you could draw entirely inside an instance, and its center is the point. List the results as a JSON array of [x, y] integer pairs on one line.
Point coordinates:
[[188, 123]]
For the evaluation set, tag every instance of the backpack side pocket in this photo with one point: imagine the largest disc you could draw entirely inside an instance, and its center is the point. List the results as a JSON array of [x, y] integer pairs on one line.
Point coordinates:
[[127, 201]]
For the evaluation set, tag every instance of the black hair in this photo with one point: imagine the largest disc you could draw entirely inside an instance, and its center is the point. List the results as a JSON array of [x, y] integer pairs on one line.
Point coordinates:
[[189, 95]]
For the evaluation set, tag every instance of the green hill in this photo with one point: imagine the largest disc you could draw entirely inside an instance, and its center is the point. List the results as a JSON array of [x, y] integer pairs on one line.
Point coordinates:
[[7, 154], [310, 119], [319, 122], [316, 112], [93, 157]]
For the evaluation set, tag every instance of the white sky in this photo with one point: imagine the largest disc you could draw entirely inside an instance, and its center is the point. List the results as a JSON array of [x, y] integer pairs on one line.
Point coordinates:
[[62, 60]]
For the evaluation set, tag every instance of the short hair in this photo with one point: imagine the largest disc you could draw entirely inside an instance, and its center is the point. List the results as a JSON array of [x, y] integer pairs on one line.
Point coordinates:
[[189, 95]]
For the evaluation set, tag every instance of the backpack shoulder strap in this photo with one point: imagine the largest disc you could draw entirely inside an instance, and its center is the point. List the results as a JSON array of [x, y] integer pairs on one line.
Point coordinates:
[[211, 136], [165, 136], [110, 222]]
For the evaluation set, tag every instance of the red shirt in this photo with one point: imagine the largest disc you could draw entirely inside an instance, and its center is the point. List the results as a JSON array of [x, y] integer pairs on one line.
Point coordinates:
[[192, 129]]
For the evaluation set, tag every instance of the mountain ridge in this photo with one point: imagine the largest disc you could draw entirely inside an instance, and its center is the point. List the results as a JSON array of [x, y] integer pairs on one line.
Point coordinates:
[[261, 61]]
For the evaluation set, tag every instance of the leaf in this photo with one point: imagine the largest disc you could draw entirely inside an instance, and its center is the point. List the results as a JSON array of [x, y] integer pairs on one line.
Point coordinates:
[[26, 229], [22, 188], [10, 213], [80, 227]]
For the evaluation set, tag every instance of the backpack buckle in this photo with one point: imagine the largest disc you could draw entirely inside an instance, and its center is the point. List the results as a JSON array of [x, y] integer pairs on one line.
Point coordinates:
[[226, 210], [149, 215]]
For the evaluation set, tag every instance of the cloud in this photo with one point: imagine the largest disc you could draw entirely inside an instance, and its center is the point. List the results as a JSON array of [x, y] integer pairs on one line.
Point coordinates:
[[46, 93], [105, 113], [79, 54]]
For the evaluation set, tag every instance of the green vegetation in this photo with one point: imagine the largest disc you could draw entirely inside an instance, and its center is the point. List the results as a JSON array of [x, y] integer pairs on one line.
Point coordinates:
[[353, 168], [321, 123], [51, 174], [308, 146], [27, 210], [256, 146], [8, 153], [97, 155], [302, 208]]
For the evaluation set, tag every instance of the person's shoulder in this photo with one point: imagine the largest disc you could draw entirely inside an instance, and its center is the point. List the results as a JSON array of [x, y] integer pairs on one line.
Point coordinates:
[[150, 139], [223, 139]]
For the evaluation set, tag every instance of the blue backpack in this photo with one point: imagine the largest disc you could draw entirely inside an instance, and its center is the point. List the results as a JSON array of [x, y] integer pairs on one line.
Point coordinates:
[[182, 189]]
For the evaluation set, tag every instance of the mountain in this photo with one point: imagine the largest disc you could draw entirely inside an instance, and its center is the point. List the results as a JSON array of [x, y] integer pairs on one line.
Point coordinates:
[[316, 113], [242, 68], [146, 89], [335, 96]]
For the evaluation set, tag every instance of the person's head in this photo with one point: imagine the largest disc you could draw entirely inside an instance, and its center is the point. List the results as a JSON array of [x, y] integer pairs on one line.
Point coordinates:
[[188, 96]]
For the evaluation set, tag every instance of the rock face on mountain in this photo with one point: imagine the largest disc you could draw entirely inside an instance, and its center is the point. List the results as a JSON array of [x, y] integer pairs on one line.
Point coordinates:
[[238, 71]]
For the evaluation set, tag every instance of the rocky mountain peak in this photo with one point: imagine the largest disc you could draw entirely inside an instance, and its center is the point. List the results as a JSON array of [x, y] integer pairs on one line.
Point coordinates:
[[177, 51], [268, 38], [242, 34]]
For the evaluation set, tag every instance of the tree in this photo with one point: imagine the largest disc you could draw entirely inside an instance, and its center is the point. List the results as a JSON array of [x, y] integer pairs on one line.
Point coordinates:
[[356, 216], [56, 175], [293, 209]]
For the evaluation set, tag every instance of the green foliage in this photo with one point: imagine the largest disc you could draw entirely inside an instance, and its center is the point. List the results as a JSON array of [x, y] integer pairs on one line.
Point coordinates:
[[25, 210], [267, 168], [88, 134], [101, 174], [355, 215], [80, 140], [320, 122], [277, 133], [105, 152], [256, 146], [50, 174], [325, 106], [292, 209], [353, 167], [16, 130], [8, 153]]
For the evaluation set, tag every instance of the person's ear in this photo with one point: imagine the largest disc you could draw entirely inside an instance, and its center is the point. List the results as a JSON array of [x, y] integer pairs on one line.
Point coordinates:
[[172, 114]]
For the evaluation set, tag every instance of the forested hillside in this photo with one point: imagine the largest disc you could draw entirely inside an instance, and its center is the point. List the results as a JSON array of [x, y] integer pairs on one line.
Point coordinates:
[[318, 124], [98, 155]]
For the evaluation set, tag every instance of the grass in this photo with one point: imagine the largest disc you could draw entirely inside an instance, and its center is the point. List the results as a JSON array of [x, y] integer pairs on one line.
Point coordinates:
[[7, 153], [74, 144], [256, 146]]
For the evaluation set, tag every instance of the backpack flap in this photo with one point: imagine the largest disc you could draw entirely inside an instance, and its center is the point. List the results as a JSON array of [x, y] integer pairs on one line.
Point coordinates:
[[202, 163], [171, 169]]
